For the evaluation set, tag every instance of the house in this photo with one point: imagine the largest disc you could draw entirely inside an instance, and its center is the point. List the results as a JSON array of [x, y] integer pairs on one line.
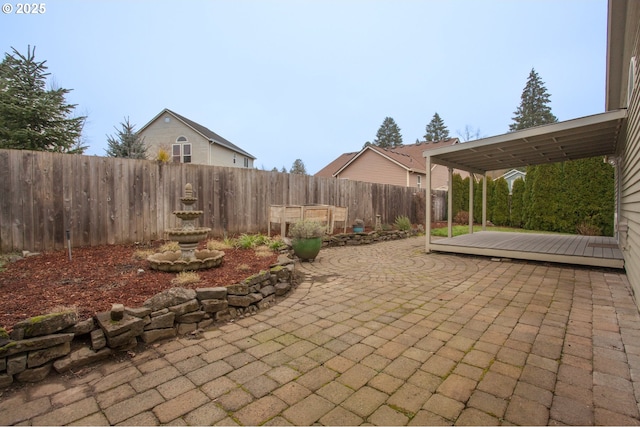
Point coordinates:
[[511, 176], [403, 165], [190, 142]]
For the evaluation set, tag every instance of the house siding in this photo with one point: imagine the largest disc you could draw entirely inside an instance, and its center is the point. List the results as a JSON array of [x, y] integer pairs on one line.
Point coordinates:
[[628, 177], [371, 167], [163, 135]]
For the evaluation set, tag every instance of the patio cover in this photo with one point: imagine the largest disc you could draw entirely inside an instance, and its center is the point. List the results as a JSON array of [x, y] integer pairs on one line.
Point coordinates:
[[590, 136], [585, 137]]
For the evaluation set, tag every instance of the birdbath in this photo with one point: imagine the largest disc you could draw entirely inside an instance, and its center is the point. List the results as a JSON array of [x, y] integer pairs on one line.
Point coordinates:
[[188, 237]]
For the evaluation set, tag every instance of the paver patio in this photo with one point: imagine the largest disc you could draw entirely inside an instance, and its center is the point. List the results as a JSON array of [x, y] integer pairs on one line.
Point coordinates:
[[382, 334]]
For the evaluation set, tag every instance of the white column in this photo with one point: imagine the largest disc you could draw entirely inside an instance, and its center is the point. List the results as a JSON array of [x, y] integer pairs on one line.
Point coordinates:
[[450, 204], [484, 202], [427, 185], [471, 185]]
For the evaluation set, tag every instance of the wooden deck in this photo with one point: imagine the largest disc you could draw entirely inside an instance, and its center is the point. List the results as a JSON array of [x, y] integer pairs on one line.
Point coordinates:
[[594, 251]]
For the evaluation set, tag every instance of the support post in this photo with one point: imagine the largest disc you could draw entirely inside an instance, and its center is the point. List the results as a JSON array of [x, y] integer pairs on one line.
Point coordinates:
[[471, 185], [484, 202], [450, 204], [428, 203]]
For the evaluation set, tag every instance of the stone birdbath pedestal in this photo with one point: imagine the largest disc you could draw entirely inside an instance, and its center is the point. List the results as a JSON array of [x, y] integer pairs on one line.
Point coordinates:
[[188, 237]]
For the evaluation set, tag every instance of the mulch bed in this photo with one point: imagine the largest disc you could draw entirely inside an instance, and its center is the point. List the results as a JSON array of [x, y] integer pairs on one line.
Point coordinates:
[[100, 276]]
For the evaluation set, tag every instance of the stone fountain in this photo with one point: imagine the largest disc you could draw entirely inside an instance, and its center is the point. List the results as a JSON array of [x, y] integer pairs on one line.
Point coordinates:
[[188, 237]]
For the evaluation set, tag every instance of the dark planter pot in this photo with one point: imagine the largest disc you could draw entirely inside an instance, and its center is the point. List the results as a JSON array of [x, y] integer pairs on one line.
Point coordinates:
[[307, 249], [358, 229]]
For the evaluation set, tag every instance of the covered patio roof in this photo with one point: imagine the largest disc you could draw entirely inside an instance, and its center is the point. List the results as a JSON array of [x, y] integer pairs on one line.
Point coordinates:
[[585, 137], [590, 136]]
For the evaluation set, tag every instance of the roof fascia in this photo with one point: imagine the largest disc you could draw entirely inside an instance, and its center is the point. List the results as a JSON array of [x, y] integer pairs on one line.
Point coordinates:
[[531, 132]]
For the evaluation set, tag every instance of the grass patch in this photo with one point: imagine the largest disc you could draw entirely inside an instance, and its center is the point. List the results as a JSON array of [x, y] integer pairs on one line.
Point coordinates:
[[459, 230]]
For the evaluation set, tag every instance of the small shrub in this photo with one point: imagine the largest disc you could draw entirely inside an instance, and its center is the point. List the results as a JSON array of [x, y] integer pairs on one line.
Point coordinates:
[[263, 252], [246, 241], [587, 229], [462, 217], [218, 245], [169, 247], [403, 223], [276, 244], [163, 156], [243, 267], [306, 229], [142, 253], [185, 278]]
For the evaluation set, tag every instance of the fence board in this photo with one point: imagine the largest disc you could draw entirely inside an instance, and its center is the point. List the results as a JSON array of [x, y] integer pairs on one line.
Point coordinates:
[[6, 217]]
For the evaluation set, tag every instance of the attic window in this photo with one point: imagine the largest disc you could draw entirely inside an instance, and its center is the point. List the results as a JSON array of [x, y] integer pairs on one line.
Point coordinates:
[[167, 119], [181, 139]]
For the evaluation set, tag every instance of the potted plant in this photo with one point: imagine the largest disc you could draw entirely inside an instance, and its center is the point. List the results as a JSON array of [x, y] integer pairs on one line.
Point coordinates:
[[358, 226], [306, 238]]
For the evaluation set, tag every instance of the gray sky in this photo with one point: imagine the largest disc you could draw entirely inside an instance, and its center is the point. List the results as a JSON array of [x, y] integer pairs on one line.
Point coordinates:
[[314, 79]]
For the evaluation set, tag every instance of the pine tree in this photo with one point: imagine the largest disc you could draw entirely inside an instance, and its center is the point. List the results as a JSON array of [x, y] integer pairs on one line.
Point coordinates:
[[127, 143], [534, 109], [31, 117], [436, 130], [517, 200], [298, 168], [388, 135]]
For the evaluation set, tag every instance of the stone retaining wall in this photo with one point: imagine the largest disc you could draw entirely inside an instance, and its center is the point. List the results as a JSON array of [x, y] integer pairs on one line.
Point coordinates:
[[352, 239], [62, 342]]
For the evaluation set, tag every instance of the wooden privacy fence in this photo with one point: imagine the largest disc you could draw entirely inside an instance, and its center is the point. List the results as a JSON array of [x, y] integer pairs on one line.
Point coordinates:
[[103, 200]]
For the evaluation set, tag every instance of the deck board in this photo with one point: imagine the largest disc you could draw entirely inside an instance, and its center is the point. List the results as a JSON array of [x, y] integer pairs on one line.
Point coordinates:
[[570, 249]]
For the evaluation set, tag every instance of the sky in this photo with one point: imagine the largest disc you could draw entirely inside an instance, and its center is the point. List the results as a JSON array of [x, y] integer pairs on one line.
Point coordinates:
[[312, 79]]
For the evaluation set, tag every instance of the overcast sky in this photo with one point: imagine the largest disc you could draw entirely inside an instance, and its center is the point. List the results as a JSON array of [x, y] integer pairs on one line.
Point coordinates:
[[311, 80]]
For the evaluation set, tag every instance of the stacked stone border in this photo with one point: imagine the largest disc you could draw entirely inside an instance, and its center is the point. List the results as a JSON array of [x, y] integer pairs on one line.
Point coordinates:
[[62, 342]]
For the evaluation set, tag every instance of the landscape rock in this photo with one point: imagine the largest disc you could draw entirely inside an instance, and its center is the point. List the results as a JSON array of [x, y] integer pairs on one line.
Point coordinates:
[[170, 297], [40, 357], [83, 327], [238, 289], [44, 325], [35, 374], [20, 346], [140, 312], [5, 380], [193, 317], [16, 364], [117, 312], [211, 293], [185, 307], [162, 321], [214, 305], [98, 340], [157, 334], [112, 328], [80, 357]]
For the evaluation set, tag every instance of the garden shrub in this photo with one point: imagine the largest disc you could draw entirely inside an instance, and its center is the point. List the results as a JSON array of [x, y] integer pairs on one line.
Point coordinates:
[[403, 223]]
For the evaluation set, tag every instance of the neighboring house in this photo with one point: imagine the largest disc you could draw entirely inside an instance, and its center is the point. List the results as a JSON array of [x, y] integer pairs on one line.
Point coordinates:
[[511, 176], [190, 142], [404, 165]]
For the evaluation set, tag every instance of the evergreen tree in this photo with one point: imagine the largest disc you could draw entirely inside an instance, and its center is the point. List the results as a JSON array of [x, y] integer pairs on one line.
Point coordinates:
[[534, 109], [436, 130], [388, 135], [127, 143], [283, 170], [298, 167], [31, 117], [517, 203], [460, 195], [500, 205]]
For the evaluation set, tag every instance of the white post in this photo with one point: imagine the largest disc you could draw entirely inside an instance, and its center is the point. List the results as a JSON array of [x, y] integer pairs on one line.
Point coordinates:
[[471, 185], [484, 202], [428, 203], [450, 205]]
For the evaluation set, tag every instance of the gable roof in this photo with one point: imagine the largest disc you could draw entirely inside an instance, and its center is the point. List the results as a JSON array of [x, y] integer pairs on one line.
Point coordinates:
[[210, 135], [408, 157]]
